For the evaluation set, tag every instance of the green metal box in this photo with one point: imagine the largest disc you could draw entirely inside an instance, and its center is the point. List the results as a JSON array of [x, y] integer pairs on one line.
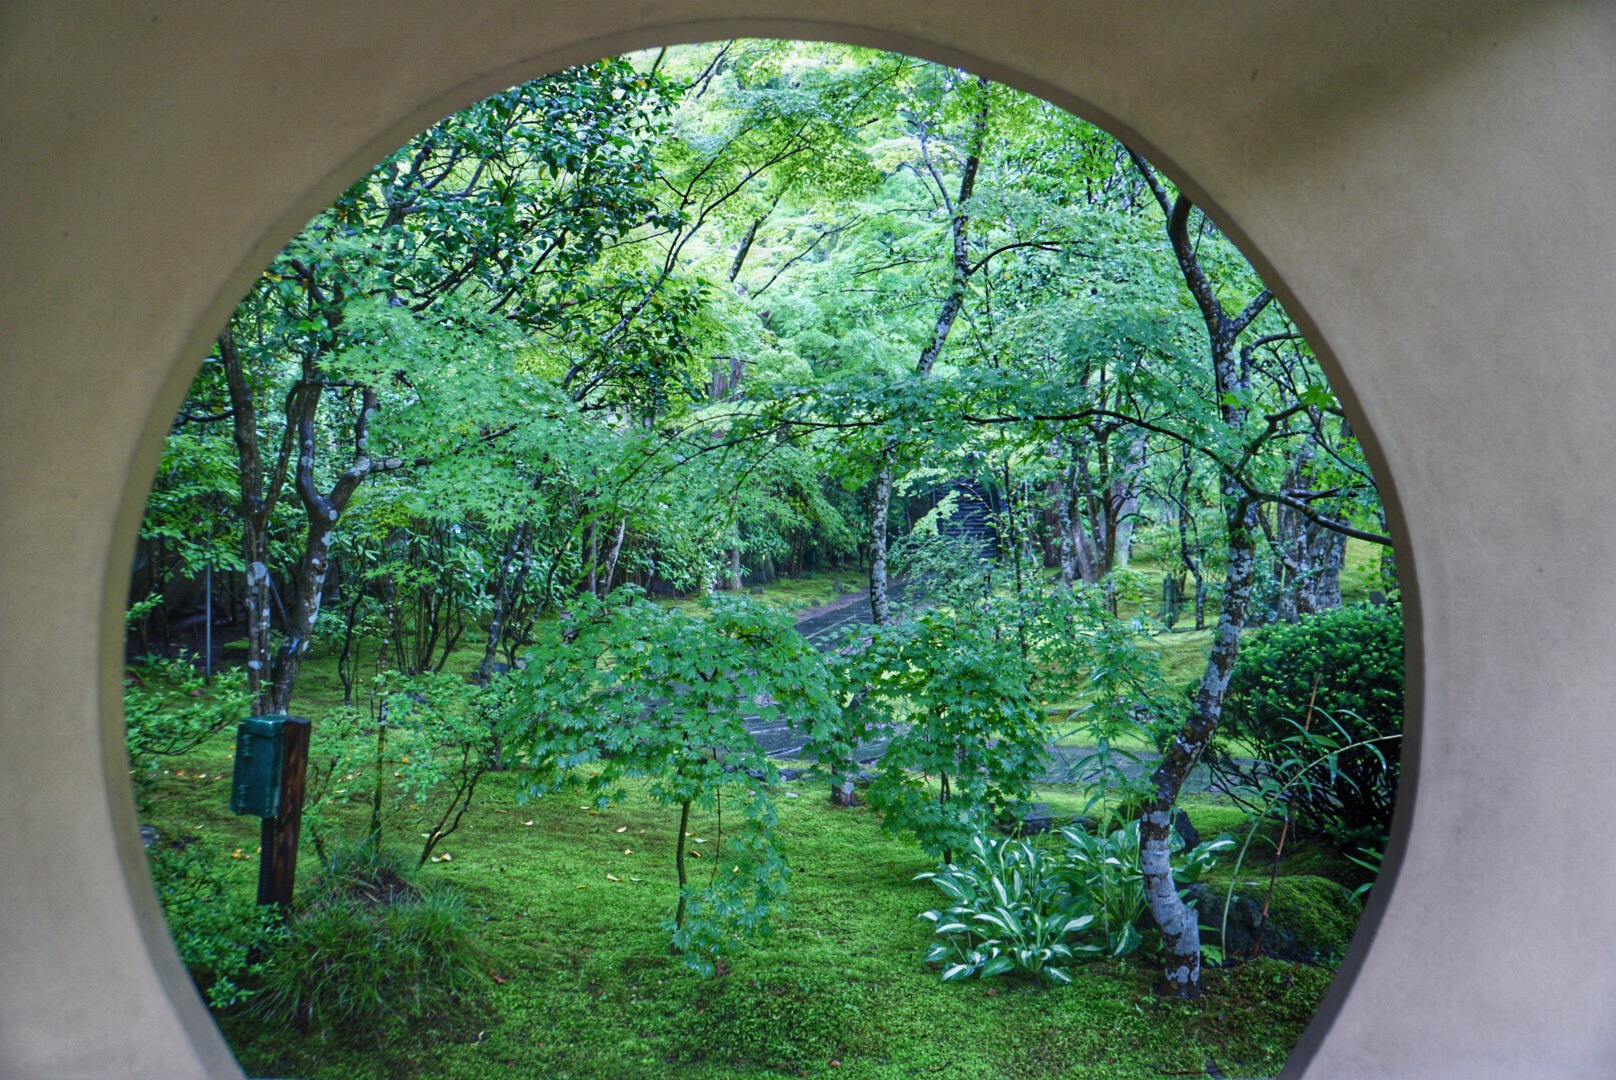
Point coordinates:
[[256, 786]]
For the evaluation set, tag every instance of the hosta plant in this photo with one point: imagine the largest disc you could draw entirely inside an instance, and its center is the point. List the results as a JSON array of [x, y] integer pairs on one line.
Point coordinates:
[[1010, 913], [1018, 908]]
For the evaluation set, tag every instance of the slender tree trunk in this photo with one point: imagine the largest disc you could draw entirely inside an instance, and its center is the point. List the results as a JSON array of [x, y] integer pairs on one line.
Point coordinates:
[[1178, 921], [1078, 559], [508, 582], [1122, 502], [1189, 553], [592, 547], [880, 600], [1231, 378], [679, 864], [953, 301], [260, 490], [612, 554], [323, 512]]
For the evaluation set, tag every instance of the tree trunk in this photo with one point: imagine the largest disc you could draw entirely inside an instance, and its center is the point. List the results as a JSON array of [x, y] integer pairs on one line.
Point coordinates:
[[880, 601], [508, 584], [1310, 555], [679, 865], [1231, 377], [1122, 502], [592, 549], [612, 555], [259, 493], [322, 512], [953, 301], [1178, 921], [1078, 559]]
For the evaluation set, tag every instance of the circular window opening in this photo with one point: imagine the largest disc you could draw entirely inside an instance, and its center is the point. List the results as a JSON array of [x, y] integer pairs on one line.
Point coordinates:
[[787, 554]]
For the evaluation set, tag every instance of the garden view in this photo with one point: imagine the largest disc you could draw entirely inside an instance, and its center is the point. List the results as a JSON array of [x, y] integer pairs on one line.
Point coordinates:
[[797, 560]]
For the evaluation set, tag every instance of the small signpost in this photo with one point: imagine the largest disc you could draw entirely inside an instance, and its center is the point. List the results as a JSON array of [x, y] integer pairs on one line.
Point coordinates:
[[272, 756]]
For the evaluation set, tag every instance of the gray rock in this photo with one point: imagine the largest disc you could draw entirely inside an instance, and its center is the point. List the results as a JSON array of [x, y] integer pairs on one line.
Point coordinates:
[[1310, 919], [1028, 819], [1185, 829], [845, 793]]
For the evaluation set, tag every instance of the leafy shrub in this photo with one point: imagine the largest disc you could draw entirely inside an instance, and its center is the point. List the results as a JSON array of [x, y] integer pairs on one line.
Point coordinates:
[[169, 709], [422, 743], [214, 919], [369, 946], [952, 693], [1348, 664], [628, 689], [1017, 908], [744, 899]]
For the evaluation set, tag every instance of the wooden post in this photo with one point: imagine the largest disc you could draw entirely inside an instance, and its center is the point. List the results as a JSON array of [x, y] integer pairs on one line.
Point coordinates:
[[277, 864]]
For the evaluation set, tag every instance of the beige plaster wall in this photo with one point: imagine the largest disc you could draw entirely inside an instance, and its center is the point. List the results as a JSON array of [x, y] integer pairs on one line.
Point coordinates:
[[1427, 183]]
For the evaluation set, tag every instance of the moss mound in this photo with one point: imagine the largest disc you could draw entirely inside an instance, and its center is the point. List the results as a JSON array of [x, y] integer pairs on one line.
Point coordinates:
[[1310, 919]]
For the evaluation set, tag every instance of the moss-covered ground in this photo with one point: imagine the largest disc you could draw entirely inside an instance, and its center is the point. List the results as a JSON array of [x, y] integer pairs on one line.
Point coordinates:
[[582, 984], [568, 906]]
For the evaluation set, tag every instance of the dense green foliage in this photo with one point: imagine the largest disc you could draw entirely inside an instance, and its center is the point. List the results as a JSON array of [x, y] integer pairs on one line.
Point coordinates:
[[1320, 703], [214, 917], [484, 459], [170, 709], [954, 695]]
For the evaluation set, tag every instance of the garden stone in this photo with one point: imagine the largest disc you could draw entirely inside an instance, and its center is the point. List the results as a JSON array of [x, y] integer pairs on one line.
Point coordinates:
[[1185, 828], [1028, 819], [1310, 919], [843, 794]]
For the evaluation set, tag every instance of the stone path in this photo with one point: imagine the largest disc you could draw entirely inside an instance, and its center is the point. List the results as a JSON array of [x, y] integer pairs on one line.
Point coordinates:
[[826, 627]]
